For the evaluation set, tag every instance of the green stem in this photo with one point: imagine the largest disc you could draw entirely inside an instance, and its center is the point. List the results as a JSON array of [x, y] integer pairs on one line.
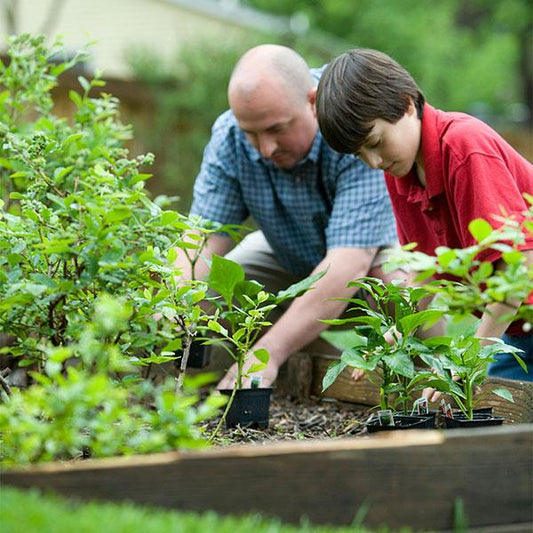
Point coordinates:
[[224, 414]]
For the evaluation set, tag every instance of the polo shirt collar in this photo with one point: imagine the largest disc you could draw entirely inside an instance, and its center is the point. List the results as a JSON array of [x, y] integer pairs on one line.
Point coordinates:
[[431, 148], [430, 139]]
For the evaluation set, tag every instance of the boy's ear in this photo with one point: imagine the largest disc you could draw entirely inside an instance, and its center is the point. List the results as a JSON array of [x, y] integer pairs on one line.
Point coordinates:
[[411, 108]]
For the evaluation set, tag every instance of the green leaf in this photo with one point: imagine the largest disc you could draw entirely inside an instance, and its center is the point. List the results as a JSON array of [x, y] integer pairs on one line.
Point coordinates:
[[84, 83], [118, 214], [333, 372], [480, 229], [343, 339], [484, 271], [445, 256], [223, 277], [400, 363], [256, 367], [513, 258], [354, 358], [297, 289], [71, 138], [427, 318], [504, 393], [262, 355], [217, 328]]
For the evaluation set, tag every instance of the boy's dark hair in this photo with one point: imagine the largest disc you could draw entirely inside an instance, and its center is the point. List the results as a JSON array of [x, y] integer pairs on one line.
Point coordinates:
[[357, 88]]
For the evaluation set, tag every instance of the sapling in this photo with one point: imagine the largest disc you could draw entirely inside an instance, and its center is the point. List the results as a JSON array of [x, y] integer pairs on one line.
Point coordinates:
[[394, 312], [243, 307], [466, 283], [475, 284], [461, 365], [188, 317]]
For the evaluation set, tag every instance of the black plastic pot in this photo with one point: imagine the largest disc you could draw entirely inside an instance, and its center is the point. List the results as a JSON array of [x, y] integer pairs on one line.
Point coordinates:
[[198, 355], [402, 422], [480, 419], [250, 408]]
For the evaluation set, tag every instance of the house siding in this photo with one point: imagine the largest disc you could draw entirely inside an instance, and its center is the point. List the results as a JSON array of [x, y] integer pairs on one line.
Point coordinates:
[[116, 26]]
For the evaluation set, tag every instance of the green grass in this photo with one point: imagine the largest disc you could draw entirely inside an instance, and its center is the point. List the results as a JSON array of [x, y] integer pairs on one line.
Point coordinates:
[[33, 512]]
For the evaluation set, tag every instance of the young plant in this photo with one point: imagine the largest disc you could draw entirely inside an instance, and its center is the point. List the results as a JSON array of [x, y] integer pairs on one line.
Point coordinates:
[[393, 313], [461, 365], [466, 283], [463, 359], [93, 408], [187, 295], [242, 310]]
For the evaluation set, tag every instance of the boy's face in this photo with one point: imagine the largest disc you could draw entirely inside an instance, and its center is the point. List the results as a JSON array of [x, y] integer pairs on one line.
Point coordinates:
[[394, 148]]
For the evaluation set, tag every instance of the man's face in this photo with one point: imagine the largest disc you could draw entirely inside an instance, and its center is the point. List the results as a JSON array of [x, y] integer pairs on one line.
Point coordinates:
[[281, 131], [393, 148]]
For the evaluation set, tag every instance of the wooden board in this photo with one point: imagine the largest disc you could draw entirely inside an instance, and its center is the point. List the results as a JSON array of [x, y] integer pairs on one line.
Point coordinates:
[[402, 478]]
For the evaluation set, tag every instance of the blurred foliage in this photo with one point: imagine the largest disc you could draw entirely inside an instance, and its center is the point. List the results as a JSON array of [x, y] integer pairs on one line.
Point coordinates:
[[467, 55], [188, 95], [460, 51]]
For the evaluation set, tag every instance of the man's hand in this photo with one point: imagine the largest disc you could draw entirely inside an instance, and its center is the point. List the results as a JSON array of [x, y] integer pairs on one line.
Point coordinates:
[[268, 374]]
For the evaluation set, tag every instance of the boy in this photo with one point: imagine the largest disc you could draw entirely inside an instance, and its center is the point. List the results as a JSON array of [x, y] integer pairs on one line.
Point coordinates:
[[442, 169]]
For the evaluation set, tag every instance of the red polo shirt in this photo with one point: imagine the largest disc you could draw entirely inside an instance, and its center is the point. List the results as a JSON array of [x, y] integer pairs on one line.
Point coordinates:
[[471, 172]]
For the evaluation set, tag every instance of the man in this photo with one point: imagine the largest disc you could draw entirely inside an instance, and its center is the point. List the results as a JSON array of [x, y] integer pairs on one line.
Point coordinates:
[[314, 207]]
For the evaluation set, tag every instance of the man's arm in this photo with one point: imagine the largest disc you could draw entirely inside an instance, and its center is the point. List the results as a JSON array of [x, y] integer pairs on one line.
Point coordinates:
[[300, 324], [217, 244]]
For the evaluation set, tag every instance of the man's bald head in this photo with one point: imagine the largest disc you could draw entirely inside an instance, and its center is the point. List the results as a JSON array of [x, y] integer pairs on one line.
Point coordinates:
[[273, 66]]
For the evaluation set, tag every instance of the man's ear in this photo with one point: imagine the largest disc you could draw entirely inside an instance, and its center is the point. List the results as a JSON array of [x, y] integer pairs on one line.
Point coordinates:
[[311, 98]]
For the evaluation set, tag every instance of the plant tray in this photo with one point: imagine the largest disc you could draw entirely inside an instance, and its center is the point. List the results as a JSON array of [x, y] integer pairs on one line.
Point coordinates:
[[402, 422]]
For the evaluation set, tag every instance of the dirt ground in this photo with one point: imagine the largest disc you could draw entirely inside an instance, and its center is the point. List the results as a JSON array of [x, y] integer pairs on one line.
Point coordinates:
[[315, 418]]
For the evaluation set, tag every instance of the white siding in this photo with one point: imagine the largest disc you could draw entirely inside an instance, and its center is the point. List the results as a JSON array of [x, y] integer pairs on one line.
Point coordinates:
[[116, 25]]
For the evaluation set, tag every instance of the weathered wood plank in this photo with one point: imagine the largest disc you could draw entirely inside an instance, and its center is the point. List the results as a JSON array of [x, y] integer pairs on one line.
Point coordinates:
[[409, 479], [344, 388], [520, 411], [296, 376]]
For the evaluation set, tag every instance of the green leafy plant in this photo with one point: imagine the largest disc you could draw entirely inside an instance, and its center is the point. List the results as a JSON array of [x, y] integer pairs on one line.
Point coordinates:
[[189, 314], [394, 311], [94, 407], [475, 283], [242, 310], [457, 363], [461, 366], [76, 221]]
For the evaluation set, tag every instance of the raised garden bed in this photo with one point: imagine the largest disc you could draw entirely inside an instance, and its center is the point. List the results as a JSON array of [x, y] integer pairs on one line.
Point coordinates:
[[402, 478], [332, 468]]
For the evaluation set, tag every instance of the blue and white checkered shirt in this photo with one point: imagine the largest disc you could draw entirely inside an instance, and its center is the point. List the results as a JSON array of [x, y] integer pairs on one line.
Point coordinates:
[[329, 200]]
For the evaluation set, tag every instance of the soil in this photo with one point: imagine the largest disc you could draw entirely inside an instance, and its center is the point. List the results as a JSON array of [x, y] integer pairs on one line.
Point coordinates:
[[315, 418]]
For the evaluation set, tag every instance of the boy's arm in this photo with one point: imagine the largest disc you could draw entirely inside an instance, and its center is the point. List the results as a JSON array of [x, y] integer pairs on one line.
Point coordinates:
[[492, 324]]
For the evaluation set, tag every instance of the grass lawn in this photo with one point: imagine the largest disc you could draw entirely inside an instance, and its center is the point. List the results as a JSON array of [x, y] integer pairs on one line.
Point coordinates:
[[33, 512]]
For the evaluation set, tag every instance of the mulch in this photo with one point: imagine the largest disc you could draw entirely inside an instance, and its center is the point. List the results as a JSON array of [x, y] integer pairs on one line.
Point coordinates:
[[314, 418]]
